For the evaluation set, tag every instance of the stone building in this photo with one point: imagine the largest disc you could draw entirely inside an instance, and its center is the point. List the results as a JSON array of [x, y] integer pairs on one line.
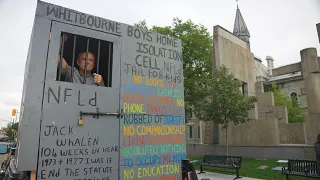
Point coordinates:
[[269, 134]]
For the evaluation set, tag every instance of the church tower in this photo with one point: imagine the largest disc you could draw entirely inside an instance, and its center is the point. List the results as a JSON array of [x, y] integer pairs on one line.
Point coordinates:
[[240, 28]]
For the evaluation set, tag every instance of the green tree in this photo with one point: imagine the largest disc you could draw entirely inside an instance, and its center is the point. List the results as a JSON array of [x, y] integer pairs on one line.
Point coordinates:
[[142, 24], [224, 102], [9, 128], [197, 50], [295, 112]]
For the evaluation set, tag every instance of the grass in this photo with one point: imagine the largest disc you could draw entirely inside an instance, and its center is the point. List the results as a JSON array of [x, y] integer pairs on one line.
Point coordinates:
[[249, 169]]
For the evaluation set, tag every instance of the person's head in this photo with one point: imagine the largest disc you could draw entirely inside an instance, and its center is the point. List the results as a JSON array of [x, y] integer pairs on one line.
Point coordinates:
[[81, 61]]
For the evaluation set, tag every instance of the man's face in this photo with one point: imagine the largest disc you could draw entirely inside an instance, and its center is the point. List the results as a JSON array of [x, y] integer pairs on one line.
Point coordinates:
[[82, 62]]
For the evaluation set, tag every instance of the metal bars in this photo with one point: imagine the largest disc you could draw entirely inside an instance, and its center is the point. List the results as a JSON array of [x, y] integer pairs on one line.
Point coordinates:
[[86, 62], [61, 56], [73, 55], [109, 65], [82, 44], [98, 57]]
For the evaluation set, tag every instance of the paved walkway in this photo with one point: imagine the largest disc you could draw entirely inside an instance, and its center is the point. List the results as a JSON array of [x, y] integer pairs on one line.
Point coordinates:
[[216, 176]]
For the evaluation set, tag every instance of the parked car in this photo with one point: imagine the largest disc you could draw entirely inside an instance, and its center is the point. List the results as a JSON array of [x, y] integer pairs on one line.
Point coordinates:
[[5, 139]]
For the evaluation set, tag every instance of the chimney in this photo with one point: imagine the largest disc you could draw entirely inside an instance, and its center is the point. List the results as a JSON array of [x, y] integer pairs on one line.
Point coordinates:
[[270, 64]]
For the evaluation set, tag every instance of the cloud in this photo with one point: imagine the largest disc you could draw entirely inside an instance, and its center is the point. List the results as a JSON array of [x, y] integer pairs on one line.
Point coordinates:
[[13, 100]]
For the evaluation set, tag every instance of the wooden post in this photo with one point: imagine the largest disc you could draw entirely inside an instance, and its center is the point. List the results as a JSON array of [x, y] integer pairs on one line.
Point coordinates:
[[318, 29]]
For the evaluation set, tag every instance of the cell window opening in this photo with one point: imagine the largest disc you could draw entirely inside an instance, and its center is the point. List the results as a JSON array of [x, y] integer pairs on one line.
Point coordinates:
[[77, 51]]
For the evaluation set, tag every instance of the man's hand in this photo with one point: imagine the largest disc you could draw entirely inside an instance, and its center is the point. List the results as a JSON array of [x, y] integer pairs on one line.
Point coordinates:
[[97, 79], [64, 63]]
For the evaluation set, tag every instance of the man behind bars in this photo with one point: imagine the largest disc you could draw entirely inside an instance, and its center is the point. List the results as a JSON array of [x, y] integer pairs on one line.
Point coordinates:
[[78, 75]]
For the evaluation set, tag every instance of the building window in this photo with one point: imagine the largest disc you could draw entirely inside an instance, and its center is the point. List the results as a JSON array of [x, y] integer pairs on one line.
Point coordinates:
[[199, 132], [190, 131], [294, 98], [244, 89], [77, 51], [303, 91]]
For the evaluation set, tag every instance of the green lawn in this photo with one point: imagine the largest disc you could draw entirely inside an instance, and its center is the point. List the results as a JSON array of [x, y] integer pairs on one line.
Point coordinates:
[[249, 169]]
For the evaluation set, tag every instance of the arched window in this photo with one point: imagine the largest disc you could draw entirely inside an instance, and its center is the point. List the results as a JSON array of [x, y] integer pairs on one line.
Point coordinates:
[[294, 98]]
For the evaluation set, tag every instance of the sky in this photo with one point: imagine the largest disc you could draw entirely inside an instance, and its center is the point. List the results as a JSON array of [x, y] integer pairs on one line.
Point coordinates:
[[279, 28]]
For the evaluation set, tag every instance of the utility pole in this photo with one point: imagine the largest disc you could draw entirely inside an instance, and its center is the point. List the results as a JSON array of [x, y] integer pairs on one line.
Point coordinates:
[[14, 114]]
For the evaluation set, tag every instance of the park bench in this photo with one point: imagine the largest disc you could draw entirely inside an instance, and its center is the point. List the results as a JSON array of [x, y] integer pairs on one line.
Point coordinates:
[[230, 162], [301, 167]]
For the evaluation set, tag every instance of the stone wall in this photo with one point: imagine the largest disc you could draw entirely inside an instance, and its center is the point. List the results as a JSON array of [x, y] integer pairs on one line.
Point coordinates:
[[274, 112], [193, 140], [252, 133], [270, 152], [311, 76], [265, 99], [235, 54], [293, 133], [313, 128]]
